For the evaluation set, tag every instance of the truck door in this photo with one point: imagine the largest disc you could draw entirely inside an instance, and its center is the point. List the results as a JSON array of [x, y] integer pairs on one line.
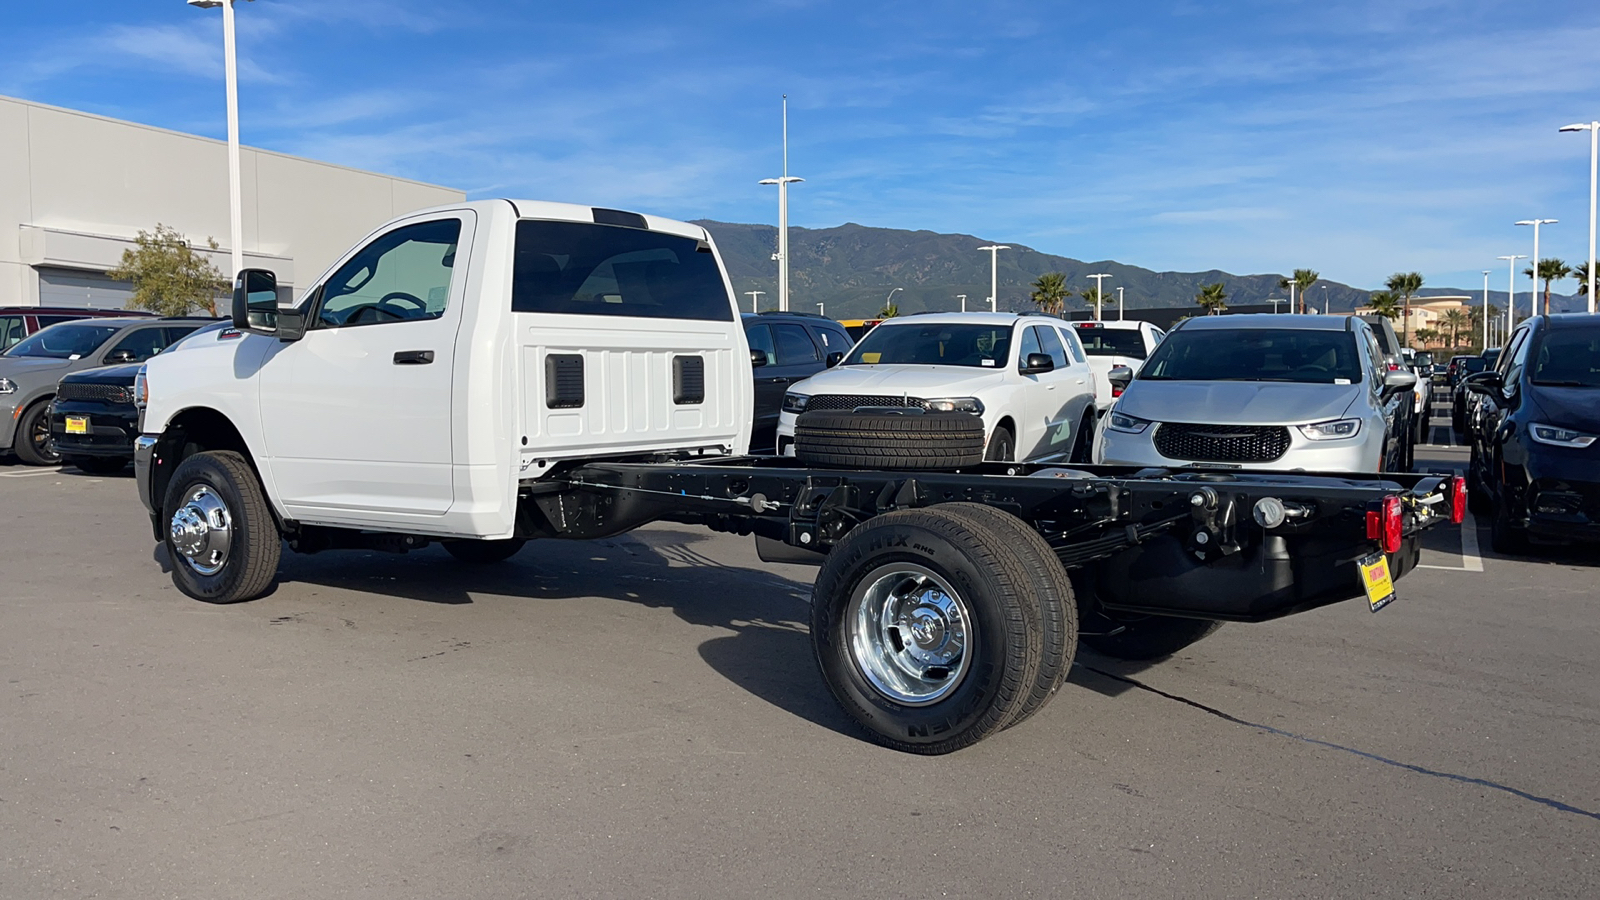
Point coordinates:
[[1049, 430], [357, 413]]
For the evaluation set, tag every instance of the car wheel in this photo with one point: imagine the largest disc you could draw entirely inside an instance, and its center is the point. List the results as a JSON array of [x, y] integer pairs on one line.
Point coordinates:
[[1083, 446], [98, 465], [484, 552], [221, 538], [33, 444], [1477, 491], [1505, 537], [1002, 446]]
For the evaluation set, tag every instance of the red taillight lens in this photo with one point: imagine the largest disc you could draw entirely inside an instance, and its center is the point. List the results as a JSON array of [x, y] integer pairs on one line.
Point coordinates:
[[1458, 500], [1116, 392], [1385, 524], [1393, 367]]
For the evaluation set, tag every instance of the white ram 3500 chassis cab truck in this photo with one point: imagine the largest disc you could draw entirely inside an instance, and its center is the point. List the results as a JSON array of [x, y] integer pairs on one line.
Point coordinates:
[[497, 371]]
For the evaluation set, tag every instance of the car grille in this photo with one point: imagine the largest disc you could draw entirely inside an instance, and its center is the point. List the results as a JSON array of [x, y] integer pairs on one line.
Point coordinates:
[[852, 401], [1222, 443], [105, 393]]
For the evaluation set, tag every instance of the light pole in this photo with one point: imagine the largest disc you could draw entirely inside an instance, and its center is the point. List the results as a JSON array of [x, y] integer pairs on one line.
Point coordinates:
[[755, 297], [1511, 290], [890, 299], [783, 181], [1485, 309], [1533, 297], [1099, 291], [231, 73], [820, 310], [1291, 295], [1119, 304], [994, 273], [1594, 174], [1324, 299], [1275, 301], [963, 299]]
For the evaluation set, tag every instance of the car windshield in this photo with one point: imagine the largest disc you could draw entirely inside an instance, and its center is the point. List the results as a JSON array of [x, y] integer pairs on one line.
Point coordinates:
[[1490, 357], [1111, 341], [1569, 358], [1474, 364], [73, 341], [933, 344], [1256, 354]]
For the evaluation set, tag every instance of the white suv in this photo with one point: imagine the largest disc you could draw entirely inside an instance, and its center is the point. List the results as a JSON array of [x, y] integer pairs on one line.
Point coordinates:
[[1112, 344], [1025, 375]]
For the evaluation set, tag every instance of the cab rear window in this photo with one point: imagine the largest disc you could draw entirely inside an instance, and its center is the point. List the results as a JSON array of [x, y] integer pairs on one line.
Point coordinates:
[[606, 270]]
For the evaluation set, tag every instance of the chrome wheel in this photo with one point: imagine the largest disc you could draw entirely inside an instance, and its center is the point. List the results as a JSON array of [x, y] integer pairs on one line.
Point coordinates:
[[202, 530], [908, 632]]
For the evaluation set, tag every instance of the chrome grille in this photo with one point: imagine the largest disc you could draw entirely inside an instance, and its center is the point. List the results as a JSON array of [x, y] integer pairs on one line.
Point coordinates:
[[105, 393], [1222, 443], [852, 401]]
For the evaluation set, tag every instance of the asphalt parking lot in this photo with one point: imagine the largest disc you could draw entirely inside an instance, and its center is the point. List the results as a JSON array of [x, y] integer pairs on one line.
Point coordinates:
[[641, 717]]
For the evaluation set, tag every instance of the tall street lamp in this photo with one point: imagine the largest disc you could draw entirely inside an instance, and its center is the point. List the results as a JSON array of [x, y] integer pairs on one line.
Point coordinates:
[[1594, 174], [783, 181], [1511, 290], [1119, 304], [890, 299], [820, 310], [994, 273], [1485, 309], [755, 297], [1275, 301], [231, 71], [1099, 291], [1533, 298]]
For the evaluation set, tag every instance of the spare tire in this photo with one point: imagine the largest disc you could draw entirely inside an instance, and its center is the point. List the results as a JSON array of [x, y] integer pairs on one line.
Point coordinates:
[[886, 439]]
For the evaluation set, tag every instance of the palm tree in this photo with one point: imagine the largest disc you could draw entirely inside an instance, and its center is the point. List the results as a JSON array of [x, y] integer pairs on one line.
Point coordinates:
[[1050, 292], [1384, 303], [1213, 299], [1405, 286], [889, 311], [1582, 274], [1550, 270], [1303, 280], [1455, 320], [1092, 297]]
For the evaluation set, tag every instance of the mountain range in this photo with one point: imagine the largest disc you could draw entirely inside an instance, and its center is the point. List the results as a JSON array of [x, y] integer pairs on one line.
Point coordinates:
[[850, 271]]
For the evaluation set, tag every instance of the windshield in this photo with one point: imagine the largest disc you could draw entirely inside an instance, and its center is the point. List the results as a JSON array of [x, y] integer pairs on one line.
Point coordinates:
[[1569, 358], [1490, 357], [1111, 342], [933, 344], [1256, 354], [1473, 364], [64, 341]]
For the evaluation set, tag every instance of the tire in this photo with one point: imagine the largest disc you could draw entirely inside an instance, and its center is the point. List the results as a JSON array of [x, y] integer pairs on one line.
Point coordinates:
[[1505, 538], [484, 552], [1083, 445], [973, 597], [222, 558], [1058, 610], [1140, 638], [1477, 494], [32, 443], [98, 465], [870, 440], [1002, 446]]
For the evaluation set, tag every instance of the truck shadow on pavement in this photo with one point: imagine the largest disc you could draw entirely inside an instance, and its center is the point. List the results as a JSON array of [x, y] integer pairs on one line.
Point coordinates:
[[768, 653]]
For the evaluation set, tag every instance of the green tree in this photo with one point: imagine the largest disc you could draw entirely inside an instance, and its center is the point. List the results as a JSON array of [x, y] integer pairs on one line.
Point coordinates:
[[1302, 280], [889, 311], [1427, 336], [1551, 270], [1092, 297], [1050, 292], [1581, 272], [168, 276], [1386, 304], [1213, 298], [1404, 285], [1455, 320]]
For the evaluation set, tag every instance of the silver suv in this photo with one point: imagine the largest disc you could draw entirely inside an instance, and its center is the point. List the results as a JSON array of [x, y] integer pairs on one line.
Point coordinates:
[[1300, 393]]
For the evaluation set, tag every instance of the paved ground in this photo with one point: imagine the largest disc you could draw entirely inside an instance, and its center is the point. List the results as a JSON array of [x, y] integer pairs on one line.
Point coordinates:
[[641, 717]]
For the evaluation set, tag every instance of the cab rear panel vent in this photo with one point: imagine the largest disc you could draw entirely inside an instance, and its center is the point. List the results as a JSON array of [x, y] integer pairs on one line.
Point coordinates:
[[688, 380], [563, 381]]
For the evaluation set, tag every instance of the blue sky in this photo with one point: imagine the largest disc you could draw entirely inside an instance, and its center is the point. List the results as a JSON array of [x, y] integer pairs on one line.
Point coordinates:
[[1357, 138]]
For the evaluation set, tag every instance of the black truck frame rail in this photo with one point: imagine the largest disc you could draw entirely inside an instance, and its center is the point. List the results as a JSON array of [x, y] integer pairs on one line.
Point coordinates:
[[1210, 544]]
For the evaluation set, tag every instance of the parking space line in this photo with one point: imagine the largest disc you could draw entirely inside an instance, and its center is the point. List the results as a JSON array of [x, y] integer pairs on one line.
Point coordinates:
[[30, 474]]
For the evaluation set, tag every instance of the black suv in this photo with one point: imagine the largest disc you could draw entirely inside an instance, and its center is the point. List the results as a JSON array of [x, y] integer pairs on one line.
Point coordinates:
[[786, 347], [1536, 451]]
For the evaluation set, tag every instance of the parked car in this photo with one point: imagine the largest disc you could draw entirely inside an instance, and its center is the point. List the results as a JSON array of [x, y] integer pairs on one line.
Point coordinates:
[[30, 370], [1310, 393], [786, 347], [1535, 465], [1462, 366], [17, 322], [1112, 344], [1394, 358], [1025, 376], [94, 419], [858, 327]]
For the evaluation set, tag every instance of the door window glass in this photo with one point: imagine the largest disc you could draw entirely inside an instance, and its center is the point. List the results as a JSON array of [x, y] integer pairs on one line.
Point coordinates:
[[1519, 358], [794, 346], [12, 330], [1030, 344], [1052, 345], [760, 338], [403, 275], [177, 333], [138, 346], [608, 270], [1073, 347]]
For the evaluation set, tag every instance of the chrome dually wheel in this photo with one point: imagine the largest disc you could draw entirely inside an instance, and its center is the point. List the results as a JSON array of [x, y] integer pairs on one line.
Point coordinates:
[[221, 537], [202, 530], [908, 633]]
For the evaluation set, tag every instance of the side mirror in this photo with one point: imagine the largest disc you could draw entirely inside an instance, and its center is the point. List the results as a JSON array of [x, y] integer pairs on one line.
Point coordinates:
[[758, 358], [1397, 381], [120, 356], [1120, 377], [834, 359], [1485, 383], [1037, 363], [255, 301]]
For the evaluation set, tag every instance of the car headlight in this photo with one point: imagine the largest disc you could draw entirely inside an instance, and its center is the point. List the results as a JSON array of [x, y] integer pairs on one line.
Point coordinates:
[[1336, 430], [954, 404], [7, 386], [1117, 421], [1560, 437], [795, 403]]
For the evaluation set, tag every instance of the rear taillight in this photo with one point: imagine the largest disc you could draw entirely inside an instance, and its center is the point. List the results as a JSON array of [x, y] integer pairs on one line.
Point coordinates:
[[1393, 367], [1116, 392], [1385, 524], [1458, 500]]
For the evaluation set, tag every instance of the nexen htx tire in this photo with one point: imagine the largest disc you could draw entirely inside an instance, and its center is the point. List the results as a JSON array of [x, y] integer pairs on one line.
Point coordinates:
[[221, 539], [887, 440], [890, 604]]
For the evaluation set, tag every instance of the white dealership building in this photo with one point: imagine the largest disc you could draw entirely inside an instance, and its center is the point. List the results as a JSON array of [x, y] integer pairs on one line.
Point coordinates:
[[76, 188]]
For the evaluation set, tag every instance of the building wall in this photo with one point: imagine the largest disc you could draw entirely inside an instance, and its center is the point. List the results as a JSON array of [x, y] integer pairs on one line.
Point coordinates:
[[76, 188]]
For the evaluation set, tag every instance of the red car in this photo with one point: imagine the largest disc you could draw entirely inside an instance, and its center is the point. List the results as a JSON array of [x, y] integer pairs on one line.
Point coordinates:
[[17, 322]]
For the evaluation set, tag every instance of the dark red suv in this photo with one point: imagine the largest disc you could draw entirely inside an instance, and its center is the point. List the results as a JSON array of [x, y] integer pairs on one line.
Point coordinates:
[[17, 322]]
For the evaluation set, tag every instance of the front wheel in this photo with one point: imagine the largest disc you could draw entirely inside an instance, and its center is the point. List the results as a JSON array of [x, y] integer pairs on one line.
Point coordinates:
[[221, 537], [1002, 446], [1083, 446], [33, 444]]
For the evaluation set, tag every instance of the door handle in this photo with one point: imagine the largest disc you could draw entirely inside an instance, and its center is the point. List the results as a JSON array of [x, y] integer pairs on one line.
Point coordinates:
[[413, 357], [777, 381]]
